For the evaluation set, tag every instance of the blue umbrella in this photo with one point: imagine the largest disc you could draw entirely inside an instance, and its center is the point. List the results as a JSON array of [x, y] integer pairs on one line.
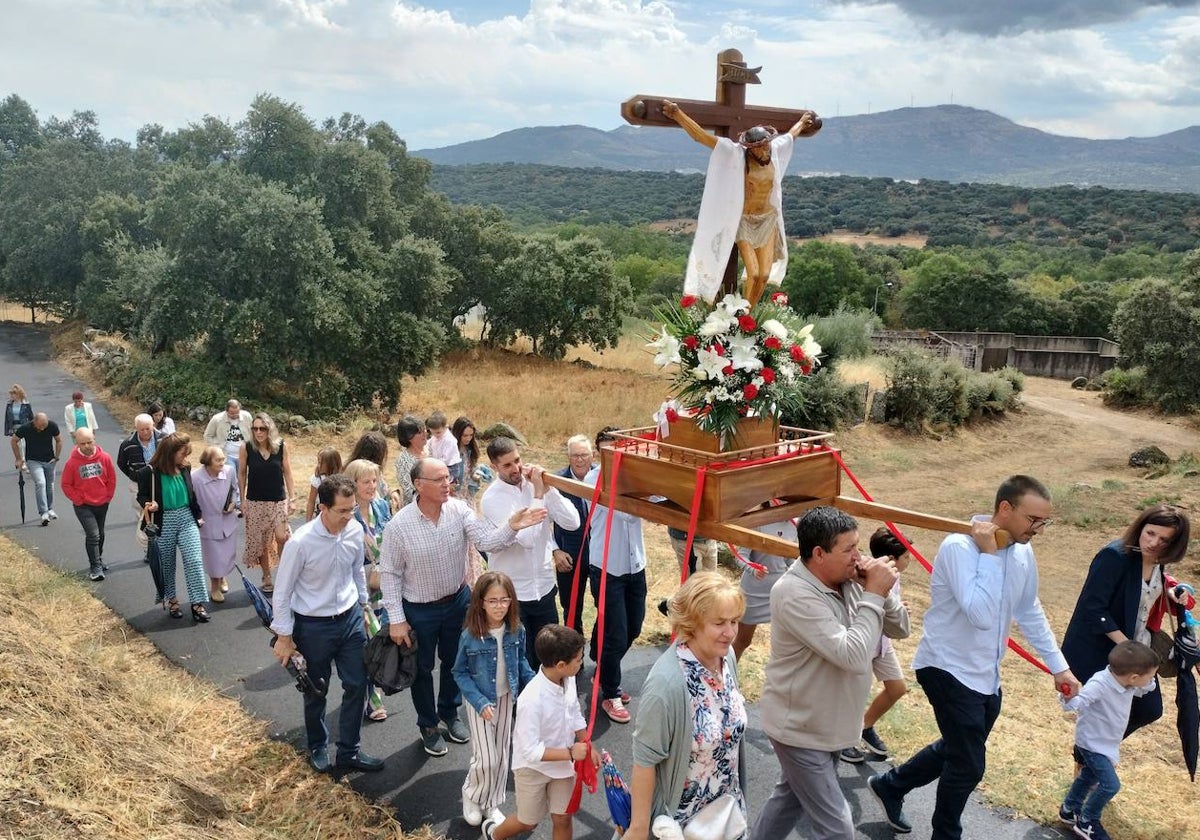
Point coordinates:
[[620, 807], [262, 606]]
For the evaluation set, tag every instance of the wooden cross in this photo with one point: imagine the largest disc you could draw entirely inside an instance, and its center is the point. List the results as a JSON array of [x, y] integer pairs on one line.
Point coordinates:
[[728, 116]]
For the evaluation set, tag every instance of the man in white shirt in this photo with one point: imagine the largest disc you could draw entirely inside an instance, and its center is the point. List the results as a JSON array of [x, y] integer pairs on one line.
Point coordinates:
[[978, 589], [528, 561], [227, 429], [319, 602], [624, 581]]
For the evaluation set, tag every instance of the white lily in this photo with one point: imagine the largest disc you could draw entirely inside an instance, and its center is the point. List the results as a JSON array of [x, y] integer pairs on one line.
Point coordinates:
[[733, 304], [811, 348], [743, 353], [773, 327], [709, 365], [805, 332], [717, 323], [668, 349]]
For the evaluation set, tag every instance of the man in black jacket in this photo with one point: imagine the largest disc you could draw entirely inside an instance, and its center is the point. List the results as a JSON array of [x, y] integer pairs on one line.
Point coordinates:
[[136, 450]]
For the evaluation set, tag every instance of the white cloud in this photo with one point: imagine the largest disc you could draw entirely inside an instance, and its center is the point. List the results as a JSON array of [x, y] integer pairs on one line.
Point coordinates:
[[438, 79]]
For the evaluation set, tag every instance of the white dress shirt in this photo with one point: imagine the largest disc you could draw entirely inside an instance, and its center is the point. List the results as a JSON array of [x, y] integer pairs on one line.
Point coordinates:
[[1103, 706], [319, 574], [626, 549], [973, 600], [548, 716], [529, 561]]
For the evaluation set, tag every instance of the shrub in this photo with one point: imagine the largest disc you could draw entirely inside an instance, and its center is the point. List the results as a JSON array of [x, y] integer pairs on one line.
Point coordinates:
[[990, 393], [1016, 379], [923, 390], [826, 402], [1124, 387], [910, 389], [846, 334]]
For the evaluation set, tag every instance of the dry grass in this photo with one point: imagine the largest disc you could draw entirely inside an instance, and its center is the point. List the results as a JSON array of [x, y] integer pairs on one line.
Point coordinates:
[[102, 737]]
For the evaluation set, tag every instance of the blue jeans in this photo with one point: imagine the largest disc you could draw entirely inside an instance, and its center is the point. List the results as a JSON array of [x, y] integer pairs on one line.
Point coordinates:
[[325, 642], [957, 760], [437, 627], [43, 483], [535, 615], [624, 612], [1094, 787]]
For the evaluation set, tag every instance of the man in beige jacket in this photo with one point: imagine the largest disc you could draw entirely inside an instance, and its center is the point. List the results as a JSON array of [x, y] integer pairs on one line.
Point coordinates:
[[827, 614]]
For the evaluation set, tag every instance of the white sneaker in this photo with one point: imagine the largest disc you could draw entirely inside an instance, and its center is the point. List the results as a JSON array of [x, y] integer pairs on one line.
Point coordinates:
[[496, 815], [52, 514], [45, 519], [472, 813]]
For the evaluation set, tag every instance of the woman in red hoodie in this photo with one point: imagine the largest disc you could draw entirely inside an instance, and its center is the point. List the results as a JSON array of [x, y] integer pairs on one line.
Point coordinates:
[[89, 480]]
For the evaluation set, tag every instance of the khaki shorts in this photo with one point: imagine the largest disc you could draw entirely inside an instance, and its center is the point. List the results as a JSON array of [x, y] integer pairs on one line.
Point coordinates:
[[887, 666], [538, 794]]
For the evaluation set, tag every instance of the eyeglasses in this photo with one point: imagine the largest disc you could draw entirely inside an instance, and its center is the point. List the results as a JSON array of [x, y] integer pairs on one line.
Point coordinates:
[[497, 602], [258, 428], [575, 455], [445, 479], [1039, 522]]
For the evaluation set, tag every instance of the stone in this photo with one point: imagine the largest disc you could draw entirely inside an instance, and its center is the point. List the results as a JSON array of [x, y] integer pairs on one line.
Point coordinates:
[[1079, 383], [878, 413], [501, 429], [1148, 456]]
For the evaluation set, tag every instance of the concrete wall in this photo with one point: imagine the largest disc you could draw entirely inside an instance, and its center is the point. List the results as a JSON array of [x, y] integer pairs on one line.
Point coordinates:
[[1059, 364]]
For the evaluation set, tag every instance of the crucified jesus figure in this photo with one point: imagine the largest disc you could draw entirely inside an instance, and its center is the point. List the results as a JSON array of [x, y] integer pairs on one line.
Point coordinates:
[[742, 204]]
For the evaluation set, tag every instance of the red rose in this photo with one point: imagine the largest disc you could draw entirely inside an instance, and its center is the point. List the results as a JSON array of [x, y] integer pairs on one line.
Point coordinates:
[[688, 300], [672, 415], [768, 376], [806, 368], [797, 353], [772, 343], [719, 349], [750, 391], [691, 342], [727, 370], [779, 299], [747, 323]]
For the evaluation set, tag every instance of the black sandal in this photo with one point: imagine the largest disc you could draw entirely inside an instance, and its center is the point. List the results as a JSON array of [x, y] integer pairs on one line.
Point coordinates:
[[199, 614], [173, 608]]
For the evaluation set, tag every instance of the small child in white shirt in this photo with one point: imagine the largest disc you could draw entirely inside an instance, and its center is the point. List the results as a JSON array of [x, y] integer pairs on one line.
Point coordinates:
[[548, 737], [1103, 713], [443, 446]]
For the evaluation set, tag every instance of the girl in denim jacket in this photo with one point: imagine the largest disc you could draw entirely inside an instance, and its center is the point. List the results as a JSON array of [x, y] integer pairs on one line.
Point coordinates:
[[490, 683]]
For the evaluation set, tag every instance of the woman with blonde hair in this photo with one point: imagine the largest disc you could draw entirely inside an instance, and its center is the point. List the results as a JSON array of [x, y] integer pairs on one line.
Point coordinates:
[[265, 477], [217, 495], [688, 739], [18, 412], [372, 513]]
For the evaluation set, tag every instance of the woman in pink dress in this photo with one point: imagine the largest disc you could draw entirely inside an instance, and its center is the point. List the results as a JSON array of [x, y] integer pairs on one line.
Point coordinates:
[[217, 492]]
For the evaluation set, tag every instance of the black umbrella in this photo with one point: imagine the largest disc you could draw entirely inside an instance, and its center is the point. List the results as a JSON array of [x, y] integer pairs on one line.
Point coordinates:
[[296, 666], [21, 490], [154, 560], [1186, 653]]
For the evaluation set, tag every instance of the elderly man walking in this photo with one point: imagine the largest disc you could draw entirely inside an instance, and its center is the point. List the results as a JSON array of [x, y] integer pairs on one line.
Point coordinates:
[[423, 561], [89, 481], [43, 446]]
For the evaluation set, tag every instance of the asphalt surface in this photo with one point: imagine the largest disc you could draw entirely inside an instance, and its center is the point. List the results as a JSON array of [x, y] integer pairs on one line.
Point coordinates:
[[231, 652]]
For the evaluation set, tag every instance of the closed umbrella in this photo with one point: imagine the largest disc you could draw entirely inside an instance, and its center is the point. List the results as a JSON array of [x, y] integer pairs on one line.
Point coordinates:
[[1186, 653], [296, 665], [620, 806], [154, 560], [21, 491]]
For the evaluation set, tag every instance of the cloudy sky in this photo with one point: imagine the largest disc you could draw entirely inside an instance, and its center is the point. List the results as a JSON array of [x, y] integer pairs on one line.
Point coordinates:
[[443, 71]]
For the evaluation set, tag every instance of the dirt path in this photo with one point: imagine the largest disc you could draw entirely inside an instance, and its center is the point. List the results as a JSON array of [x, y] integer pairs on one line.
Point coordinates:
[[1098, 424]]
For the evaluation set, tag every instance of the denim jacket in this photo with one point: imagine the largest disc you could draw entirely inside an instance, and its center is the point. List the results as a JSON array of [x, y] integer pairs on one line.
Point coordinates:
[[475, 667]]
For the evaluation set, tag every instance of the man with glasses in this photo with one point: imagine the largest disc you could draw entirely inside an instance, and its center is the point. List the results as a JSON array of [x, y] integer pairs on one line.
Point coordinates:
[[978, 589], [89, 482], [423, 563], [528, 561]]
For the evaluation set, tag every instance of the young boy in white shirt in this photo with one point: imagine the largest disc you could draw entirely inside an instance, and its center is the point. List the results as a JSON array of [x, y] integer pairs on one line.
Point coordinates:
[[547, 739], [1103, 713], [443, 446]]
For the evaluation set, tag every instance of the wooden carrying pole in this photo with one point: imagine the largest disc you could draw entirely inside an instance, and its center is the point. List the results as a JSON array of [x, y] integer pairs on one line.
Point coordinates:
[[742, 532]]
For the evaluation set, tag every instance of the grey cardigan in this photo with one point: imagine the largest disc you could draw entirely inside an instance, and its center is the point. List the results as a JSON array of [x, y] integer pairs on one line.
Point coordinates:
[[662, 733]]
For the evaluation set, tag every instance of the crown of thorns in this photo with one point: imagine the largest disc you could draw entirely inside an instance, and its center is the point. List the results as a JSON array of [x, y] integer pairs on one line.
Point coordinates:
[[760, 135]]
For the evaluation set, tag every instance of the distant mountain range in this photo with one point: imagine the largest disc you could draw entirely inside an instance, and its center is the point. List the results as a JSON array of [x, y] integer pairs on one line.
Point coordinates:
[[944, 143]]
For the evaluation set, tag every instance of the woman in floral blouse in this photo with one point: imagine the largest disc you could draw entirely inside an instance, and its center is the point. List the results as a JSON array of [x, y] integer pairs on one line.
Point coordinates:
[[689, 735]]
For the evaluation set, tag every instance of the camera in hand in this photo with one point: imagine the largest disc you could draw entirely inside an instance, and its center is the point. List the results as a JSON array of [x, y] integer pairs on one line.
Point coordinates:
[[298, 668]]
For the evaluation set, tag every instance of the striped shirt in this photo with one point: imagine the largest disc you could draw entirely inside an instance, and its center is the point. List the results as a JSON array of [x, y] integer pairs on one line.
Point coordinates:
[[422, 560]]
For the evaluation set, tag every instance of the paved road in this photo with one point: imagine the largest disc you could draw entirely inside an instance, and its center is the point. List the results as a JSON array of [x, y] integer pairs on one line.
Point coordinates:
[[231, 652]]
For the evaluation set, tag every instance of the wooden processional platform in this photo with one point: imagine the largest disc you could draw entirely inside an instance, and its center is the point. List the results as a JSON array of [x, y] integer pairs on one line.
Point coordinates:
[[795, 468]]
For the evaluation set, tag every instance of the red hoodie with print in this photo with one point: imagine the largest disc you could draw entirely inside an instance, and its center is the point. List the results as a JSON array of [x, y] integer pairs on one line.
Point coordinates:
[[89, 479]]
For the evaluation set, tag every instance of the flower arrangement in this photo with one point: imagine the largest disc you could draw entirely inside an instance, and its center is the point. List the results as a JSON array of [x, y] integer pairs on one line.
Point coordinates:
[[734, 360]]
